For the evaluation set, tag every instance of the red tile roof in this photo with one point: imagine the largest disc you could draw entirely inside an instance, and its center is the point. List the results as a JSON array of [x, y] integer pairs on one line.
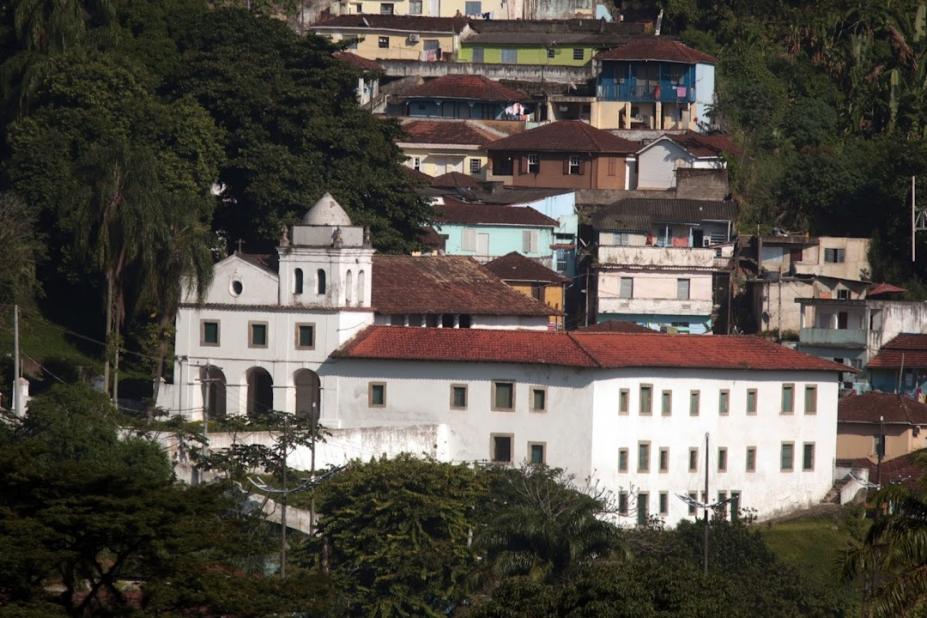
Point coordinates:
[[884, 288], [657, 48], [471, 87], [516, 267], [616, 326], [358, 62], [445, 132], [465, 345], [578, 349], [453, 180], [566, 136], [416, 176], [404, 23], [463, 213], [909, 347], [404, 284], [907, 470], [706, 144], [869, 407]]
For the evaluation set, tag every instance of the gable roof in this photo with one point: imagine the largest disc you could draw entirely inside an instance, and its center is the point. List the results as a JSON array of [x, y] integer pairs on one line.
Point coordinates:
[[552, 32], [358, 62], [568, 136], [616, 326], [516, 267], [907, 470], [404, 284], [463, 213], [403, 23], [657, 48], [879, 289], [638, 213], [264, 261], [871, 406], [590, 350], [911, 347], [470, 87], [699, 145], [444, 132], [453, 180]]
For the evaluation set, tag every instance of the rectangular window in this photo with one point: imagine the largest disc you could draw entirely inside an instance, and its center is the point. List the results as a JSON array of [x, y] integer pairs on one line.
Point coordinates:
[[724, 402], [257, 334], [383, 42], [623, 503], [468, 239], [417, 164], [476, 166], [751, 401], [693, 459], [811, 400], [529, 241], [473, 8], [843, 294], [834, 256], [646, 400], [735, 505], [478, 54], [664, 459], [622, 460], [694, 397], [627, 288], [664, 503], [415, 7], [574, 168], [666, 405], [501, 445], [643, 508], [458, 396], [538, 399], [624, 397], [534, 163], [787, 457], [751, 459], [643, 456], [788, 398], [722, 504], [209, 333], [386, 9], [305, 336], [722, 459], [612, 166], [551, 52], [503, 396], [807, 456], [682, 289], [376, 394], [578, 53], [537, 453], [693, 497], [509, 55]]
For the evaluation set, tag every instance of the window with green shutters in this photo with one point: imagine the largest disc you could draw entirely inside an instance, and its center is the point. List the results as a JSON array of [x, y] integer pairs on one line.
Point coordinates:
[[646, 400], [788, 398], [724, 402], [787, 457], [694, 399], [811, 400], [751, 401], [666, 406]]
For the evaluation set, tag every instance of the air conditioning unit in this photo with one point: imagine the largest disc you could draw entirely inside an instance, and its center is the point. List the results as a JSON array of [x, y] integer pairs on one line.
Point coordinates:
[[413, 38], [706, 242]]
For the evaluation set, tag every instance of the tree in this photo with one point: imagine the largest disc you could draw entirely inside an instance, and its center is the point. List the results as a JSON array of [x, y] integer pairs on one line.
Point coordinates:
[[23, 248], [396, 533]]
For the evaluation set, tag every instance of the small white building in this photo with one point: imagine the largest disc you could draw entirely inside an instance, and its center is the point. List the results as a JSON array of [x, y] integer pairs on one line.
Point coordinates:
[[438, 346]]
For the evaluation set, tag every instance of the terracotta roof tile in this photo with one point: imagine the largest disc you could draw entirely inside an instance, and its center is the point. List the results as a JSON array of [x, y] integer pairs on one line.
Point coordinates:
[[474, 87], [457, 212], [453, 180], [879, 289], [706, 144], [358, 62], [433, 284], [406, 23], [657, 48], [465, 345], [867, 408], [907, 470], [566, 136], [603, 350], [516, 267], [445, 132], [911, 347], [616, 326]]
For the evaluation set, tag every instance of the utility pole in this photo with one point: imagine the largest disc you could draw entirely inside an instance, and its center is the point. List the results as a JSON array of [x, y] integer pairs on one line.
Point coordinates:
[[208, 381], [706, 503], [880, 451], [17, 397], [314, 428]]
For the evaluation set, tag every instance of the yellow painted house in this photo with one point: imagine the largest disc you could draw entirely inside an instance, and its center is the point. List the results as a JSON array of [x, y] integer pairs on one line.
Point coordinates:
[[395, 37], [438, 147], [533, 279]]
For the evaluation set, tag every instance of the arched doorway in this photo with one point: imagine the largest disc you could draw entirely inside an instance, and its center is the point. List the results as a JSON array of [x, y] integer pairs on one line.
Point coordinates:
[[308, 393], [213, 388], [260, 391]]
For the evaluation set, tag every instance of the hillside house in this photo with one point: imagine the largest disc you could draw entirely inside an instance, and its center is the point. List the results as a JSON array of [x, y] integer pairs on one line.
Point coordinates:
[[900, 366], [533, 279], [862, 419], [393, 37], [368, 79], [438, 147], [658, 162], [466, 97]]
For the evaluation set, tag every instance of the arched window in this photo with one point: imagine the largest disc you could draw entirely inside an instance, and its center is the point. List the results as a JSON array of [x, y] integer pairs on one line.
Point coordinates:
[[298, 281], [348, 287], [213, 386], [320, 282], [308, 389], [360, 288], [260, 391]]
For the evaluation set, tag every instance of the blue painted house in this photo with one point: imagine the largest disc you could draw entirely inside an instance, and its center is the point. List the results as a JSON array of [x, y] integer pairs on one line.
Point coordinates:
[[656, 83], [466, 97], [489, 231]]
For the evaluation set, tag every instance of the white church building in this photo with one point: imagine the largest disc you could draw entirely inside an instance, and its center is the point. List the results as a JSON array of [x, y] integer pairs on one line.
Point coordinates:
[[404, 342]]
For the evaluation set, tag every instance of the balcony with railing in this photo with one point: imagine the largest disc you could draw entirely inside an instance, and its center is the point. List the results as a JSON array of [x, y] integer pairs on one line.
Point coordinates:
[[676, 258], [645, 90]]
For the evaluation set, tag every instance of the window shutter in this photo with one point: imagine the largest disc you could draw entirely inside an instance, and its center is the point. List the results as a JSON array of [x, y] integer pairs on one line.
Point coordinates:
[[582, 166], [522, 165], [566, 165], [468, 242], [526, 241]]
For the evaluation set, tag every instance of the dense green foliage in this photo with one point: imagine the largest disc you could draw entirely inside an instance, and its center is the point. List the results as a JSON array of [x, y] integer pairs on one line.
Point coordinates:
[[829, 102]]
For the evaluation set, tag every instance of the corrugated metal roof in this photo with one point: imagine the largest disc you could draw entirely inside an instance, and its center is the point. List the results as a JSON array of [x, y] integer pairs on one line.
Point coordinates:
[[640, 213]]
